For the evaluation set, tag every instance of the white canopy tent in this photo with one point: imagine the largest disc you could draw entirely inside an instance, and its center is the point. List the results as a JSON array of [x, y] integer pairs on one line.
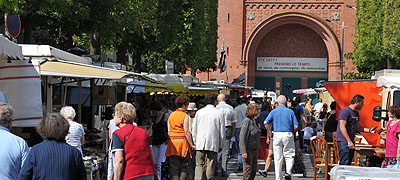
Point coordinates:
[[388, 81], [9, 49]]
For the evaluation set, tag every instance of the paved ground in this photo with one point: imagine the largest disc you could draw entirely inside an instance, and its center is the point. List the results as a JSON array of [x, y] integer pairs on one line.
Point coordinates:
[[232, 166]]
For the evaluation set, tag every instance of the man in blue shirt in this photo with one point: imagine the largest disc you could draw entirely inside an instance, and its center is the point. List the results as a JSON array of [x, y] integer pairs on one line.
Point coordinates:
[[13, 148], [284, 123]]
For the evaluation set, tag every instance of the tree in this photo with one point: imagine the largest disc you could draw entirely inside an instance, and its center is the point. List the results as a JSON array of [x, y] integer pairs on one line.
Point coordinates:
[[368, 53], [391, 34], [377, 38]]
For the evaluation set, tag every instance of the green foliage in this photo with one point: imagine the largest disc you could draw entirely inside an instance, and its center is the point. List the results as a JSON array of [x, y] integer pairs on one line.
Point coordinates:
[[377, 39], [391, 34], [354, 76], [151, 31], [8, 6], [368, 55]]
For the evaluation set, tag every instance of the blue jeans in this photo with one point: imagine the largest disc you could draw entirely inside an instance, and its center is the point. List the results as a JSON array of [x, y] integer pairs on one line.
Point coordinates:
[[237, 133], [346, 154]]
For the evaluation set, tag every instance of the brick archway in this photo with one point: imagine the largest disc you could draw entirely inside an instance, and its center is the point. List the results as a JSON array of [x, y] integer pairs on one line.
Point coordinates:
[[292, 17]]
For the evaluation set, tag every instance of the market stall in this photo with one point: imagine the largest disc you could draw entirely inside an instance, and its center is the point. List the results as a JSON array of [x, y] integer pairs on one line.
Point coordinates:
[[20, 84]]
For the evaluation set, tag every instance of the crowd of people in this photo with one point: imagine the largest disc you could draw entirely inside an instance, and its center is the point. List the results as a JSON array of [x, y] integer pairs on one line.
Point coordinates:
[[187, 141]]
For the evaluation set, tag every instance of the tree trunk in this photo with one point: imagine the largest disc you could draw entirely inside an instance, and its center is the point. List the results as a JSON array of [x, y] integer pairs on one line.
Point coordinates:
[[389, 63], [121, 53], [95, 44], [27, 24]]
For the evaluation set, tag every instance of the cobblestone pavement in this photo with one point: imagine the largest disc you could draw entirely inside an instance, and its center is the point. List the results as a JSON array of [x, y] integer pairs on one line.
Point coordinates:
[[233, 175]]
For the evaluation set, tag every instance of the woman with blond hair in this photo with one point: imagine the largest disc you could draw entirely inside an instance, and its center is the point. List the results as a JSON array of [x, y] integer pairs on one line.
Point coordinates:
[[178, 149], [76, 132], [131, 146], [53, 158], [250, 141]]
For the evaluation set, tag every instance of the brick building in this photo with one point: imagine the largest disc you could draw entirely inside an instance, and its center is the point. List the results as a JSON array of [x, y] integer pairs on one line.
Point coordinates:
[[277, 42]]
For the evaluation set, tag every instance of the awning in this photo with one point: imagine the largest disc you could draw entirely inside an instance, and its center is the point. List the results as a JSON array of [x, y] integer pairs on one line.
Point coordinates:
[[202, 91], [72, 69], [304, 91], [9, 49], [343, 93], [49, 52], [388, 81], [174, 88]]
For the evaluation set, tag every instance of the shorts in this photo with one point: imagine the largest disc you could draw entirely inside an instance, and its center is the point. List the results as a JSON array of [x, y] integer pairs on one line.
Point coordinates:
[[178, 164]]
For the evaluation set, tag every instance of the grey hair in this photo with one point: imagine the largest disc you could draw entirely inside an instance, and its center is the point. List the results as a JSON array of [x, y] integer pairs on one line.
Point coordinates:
[[281, 100], [68, 112], [6, 114]]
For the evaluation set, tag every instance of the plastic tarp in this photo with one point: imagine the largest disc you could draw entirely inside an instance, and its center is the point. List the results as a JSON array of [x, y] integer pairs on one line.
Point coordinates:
[[139, 88], [9, 49], [304, 91], [174, 88], [20, 82], [46, 51], [343, 92], [342, 172], [388, 81]]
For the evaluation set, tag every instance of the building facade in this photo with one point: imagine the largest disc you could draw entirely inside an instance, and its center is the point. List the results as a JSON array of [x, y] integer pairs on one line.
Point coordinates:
[[280, 42]]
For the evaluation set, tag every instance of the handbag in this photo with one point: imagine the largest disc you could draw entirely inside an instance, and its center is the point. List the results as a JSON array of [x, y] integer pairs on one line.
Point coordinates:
[[394, 166]]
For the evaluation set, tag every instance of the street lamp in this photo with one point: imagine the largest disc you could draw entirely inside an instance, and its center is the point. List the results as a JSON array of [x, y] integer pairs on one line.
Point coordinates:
[[342, 50], [350, 6], [341, 53]]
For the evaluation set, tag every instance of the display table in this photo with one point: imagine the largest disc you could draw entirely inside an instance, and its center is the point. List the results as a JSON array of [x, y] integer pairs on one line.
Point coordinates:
[[342, 172]]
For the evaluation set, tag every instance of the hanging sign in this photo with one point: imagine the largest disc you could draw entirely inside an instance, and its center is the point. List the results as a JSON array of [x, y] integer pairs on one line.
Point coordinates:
[[291, 64], [13, 24]]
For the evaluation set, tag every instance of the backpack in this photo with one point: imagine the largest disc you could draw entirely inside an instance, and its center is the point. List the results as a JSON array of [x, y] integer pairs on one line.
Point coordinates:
[[160, 132]]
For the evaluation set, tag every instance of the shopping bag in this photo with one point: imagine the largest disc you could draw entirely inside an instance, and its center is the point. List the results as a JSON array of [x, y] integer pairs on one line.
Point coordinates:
[[394, 166]]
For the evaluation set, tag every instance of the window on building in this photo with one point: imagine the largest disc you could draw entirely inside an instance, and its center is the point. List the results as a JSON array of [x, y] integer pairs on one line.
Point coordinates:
[[227, 51], [229, 17]]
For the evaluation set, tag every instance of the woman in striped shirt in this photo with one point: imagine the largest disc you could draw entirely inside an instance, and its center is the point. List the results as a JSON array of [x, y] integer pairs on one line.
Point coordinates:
[[76, 132]]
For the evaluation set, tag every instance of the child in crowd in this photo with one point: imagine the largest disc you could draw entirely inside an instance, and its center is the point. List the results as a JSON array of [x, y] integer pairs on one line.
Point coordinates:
[[308, 132]]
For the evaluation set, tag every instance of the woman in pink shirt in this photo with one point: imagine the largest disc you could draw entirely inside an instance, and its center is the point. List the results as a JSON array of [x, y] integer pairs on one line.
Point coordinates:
[[392, 137]]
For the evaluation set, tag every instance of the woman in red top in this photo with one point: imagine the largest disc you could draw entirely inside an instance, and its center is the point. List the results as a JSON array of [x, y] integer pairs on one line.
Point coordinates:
[[392, 137], [131, 146]]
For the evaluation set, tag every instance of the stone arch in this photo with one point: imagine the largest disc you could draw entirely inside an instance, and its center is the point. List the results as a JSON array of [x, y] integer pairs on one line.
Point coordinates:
[[292, 17]]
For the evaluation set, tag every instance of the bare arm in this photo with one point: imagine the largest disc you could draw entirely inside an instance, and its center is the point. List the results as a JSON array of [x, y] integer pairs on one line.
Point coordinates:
[[398, 147], [343, 130], [118, 164], [83, 140], [366, 130], [187, 132], [169, 129], [304, 118], [109, 134]]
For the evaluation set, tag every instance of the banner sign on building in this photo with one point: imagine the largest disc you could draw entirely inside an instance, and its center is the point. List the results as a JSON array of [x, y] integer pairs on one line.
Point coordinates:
[[291, 64]]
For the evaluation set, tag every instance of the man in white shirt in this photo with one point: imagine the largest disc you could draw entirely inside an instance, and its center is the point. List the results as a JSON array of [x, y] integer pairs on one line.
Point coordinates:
[[318, 107], [230, 123], [208, 135], [240, 112]]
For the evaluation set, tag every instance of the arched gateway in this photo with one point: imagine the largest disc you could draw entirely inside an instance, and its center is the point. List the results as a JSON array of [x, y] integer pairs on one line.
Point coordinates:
[[290, 47]]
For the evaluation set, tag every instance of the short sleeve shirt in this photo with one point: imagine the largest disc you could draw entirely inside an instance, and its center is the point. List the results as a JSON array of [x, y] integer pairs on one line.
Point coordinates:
[[300, 109], [283, 119], [75, 134], [352, 117], [392, 139]]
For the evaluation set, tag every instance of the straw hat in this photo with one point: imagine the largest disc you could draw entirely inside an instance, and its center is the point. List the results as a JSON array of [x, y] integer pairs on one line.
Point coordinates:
[[192, 106]]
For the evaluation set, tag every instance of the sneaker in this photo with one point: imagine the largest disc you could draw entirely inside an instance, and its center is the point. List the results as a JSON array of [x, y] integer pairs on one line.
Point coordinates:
[[262, 173], [288, 177]]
